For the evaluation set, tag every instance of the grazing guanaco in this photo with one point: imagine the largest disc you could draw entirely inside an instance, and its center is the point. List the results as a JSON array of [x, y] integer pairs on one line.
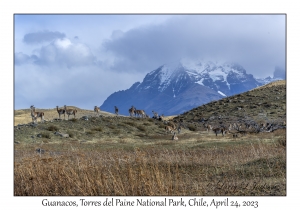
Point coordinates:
[[35, 115], [155, 115], [208, 127], [169, 129], [174, 137], [140, 113], [116, 110], [131, 111], [96, 109], [219, 130], [70, 112], [60, 112]]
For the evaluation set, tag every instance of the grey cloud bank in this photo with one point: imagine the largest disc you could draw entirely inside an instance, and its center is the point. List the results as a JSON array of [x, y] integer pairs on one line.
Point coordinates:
[[21, 58], [60, 52], [64, 52], [258, 42], [42, 36]]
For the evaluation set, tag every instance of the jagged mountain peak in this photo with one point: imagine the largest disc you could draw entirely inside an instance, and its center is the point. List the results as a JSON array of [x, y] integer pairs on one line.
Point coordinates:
[[181, 85], [213, 74]]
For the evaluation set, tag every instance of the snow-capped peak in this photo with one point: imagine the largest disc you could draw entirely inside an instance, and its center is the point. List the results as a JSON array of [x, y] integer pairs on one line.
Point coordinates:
[[166, 73], [218, 75]]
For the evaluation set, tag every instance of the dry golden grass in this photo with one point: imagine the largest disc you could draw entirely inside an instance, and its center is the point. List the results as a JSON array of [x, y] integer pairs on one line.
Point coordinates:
[[272, 84], [191, 167], [169, 117]]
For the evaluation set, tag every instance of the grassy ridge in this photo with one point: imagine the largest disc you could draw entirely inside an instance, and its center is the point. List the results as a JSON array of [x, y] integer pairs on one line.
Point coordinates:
[[266, 103]]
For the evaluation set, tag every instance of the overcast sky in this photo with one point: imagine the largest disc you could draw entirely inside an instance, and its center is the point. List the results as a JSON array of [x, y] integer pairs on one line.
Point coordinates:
[[80, 60]]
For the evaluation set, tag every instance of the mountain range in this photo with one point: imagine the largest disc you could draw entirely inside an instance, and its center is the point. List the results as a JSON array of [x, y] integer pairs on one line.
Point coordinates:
[[177, 87]]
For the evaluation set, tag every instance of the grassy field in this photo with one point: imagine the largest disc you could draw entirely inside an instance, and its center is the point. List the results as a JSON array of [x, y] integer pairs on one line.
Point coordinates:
[[110, 155], [195, 165]]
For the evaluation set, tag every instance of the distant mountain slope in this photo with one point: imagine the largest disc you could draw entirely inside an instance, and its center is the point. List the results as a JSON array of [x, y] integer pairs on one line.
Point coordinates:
[[180, 86]]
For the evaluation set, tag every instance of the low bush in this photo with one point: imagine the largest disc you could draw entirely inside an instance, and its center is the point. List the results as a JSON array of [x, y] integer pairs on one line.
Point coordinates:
[[53, 128], [73, 120], [45, 135], [192, 127], [71, 134], [141, 128], [97, 129], [131, 123]]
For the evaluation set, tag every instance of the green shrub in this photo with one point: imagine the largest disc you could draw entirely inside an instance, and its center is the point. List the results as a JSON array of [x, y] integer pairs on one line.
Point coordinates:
[[282, 141], [91, 132], [131, 123], [161, 126], [116, 132], [73, 120], [97, 129], [45, 135], [141, 128], [192, 127], [71, 134], [53, 128], [112, 126]]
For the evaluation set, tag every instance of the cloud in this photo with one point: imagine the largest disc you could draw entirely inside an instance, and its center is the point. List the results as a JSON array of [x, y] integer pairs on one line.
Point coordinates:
[[42, 36], [257, 41], [55, 49], [21, 58], [60, 52], [279, 72]]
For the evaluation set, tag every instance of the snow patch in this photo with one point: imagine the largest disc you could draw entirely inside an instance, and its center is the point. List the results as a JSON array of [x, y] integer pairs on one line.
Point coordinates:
[[191, 73], [221, 93], [174, 93], [198, 66], [166, 73], [200, 82], [165, 77], [217, 74]]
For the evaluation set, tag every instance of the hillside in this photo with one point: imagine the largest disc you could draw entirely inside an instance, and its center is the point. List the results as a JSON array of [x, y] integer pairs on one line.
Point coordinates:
[[263, 104], [109, 155], [260, 105]]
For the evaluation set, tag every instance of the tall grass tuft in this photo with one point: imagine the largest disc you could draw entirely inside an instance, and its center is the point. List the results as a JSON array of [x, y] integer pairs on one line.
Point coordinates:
[[248, 170]]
